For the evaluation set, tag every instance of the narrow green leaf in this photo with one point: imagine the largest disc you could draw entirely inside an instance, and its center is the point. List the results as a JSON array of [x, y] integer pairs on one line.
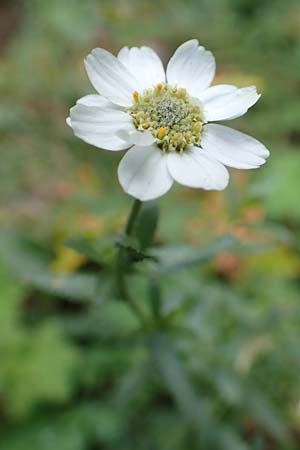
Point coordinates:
[[91, 249], [174, 258], [155, 296], [265, 414], [146, 224], [132, 247], [196, 411], [33, 268]]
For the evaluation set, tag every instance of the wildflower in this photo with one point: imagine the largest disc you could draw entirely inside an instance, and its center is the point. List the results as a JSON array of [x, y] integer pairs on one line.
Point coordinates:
[[164, 119]]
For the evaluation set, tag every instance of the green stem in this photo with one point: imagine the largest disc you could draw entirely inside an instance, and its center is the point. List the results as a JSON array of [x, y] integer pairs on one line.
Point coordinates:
[[122, 262]]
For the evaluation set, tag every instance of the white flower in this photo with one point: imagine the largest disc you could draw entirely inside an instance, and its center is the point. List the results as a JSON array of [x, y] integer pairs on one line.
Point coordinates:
[[164, 119]]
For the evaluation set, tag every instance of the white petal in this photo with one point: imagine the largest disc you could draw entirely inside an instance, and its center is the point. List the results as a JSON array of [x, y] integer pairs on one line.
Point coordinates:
[[94, 100], [100, 127], [135, 137], [194, 168], [233, 148], [97, 100], [223, 101], [110, 78], [215, 91], [143, 173], [191, 67], [144, 64]]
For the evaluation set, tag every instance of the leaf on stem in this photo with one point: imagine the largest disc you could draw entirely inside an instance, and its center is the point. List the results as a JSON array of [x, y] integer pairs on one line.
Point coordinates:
[[146, 224], [195, 410], [174, 258], [132, 247], [32, 266]]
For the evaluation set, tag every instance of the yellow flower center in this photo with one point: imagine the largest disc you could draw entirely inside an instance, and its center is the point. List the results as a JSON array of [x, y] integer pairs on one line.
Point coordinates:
[[170, 115]]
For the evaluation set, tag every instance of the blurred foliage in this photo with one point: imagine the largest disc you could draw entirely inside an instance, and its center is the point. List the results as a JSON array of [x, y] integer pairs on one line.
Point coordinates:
[[217, 363], [36, 364]]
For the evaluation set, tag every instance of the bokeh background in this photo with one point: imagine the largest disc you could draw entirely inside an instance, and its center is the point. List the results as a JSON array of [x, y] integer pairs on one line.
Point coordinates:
[[77, 372]]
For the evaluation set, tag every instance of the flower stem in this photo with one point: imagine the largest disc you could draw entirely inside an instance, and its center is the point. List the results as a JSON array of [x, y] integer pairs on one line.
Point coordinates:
[[122, 264]]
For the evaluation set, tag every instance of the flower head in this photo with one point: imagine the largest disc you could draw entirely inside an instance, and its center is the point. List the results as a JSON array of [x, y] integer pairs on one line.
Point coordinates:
[[163, 119]]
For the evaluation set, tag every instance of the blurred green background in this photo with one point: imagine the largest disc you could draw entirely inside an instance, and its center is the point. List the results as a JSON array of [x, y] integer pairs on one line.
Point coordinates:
[[77, 371]]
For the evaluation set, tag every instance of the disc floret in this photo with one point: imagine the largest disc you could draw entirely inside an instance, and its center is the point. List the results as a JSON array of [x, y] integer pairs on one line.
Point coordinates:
[[170, 115]]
